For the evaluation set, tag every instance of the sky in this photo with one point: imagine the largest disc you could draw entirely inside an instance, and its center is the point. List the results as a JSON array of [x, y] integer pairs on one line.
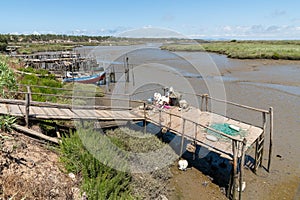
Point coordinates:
[[215, 19]]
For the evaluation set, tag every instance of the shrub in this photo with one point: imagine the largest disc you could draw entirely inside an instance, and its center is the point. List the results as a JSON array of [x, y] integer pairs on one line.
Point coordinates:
[[6, 123], [98, 180], [7, 80]]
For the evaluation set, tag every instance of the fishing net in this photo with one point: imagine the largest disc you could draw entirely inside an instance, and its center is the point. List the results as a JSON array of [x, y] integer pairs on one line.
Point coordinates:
[[224, 128]]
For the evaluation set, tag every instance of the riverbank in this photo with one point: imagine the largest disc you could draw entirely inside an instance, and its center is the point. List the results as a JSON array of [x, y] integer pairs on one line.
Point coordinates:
[[286, 50]]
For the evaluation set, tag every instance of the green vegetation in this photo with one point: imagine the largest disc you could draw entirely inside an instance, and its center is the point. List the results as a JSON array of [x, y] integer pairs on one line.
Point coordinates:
[[82, 151], [28, 44], [289, 50], [7, 79], [98, 180], [51, 38], [6, 123], [33, 48], [3, 43], [41, 77]]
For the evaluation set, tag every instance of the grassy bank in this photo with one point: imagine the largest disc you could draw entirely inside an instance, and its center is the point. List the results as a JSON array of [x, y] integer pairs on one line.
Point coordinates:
[[33, 48], [90, 155], [288, 50]]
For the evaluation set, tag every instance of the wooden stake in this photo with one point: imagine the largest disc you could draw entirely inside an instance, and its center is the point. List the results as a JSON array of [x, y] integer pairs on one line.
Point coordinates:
[[27, 108], [182, 137], [206, 102], [271, 138], [263, 137], [242, 166], [235, 175], [145, 123], [201, 106]]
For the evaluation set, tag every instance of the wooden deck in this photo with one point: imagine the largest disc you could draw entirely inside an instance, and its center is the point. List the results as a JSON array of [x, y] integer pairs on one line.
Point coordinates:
[[187, 123], [52, 113]]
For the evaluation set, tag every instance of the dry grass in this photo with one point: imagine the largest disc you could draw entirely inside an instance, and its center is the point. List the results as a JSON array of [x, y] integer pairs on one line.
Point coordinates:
[[29, 170]]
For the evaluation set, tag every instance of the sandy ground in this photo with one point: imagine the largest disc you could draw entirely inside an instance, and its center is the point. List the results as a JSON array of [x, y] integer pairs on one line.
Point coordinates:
[[31, 170], [283, 181]]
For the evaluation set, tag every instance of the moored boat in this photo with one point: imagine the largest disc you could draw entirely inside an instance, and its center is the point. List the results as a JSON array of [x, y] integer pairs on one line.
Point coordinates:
[[87, 79]]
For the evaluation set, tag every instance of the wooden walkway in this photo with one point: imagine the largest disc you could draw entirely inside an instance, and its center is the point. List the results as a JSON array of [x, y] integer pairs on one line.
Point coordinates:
[[53, 113], [192, 124], [188, 123]]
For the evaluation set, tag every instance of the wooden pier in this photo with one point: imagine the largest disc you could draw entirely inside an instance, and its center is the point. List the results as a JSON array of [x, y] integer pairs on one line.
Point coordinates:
[[59, 62], [192, 124]]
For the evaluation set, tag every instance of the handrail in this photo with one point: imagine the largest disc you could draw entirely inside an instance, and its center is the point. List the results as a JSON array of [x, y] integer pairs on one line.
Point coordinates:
[[199, 95], [203, 126], [56, 105], [239, 105]]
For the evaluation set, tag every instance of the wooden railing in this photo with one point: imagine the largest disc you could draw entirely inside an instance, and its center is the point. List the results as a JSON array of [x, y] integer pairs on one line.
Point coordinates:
[[205, 98]]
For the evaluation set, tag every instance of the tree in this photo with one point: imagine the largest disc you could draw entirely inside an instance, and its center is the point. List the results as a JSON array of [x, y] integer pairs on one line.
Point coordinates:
[[3, 42]]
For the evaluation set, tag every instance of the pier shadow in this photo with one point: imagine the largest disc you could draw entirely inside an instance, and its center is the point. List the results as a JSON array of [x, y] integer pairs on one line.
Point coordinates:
[[217, 168]]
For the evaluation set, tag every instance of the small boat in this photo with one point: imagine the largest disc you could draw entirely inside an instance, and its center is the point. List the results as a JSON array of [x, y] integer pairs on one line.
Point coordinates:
[[87, 79]]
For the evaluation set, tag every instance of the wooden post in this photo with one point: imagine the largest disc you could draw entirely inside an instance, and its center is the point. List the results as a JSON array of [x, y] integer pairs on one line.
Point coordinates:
[[262, 138], [170, 124], [27, 106], [196, 130], [182, 137], [242, 167], [271, 138], [202, 99], [234, 174], [57, 131], [256, 155], [29, 92], [159, 118], [145, 122], [206, 102]]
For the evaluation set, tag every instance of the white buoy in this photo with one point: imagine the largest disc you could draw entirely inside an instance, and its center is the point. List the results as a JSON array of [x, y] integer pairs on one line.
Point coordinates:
[[243, 187], [182, 165], [212, 138], [234, 127]]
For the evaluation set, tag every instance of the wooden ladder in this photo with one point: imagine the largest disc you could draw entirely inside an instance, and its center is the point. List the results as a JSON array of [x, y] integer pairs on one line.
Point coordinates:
[[259, 150]]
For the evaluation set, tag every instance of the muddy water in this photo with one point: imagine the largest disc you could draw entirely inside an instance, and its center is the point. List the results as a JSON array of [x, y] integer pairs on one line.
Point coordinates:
[[258, 83]]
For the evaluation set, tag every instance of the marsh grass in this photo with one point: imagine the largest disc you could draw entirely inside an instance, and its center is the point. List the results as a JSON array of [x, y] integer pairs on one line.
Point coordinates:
[[288, 50], [99, 181], [33, 48], [90, 154]]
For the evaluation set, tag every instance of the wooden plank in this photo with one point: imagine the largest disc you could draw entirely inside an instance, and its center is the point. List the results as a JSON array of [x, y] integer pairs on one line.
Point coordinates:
[[3, 109], [15, 110], [101, 113], [221, 147], [67, 113], [37, 111], [48, 111], [81, 114], [35, 133], [59, 113]]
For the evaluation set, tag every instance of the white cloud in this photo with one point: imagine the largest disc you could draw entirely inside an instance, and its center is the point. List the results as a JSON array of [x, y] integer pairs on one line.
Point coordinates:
[[257, 32]]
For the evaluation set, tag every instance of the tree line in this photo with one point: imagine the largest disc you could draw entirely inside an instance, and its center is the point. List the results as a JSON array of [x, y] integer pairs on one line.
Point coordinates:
[[6, 39]]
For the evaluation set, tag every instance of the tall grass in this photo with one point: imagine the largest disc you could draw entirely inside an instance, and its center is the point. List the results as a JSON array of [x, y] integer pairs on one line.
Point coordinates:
[[33, 48], [289, 50], [99, 181], [44, 78], [8, 81], [81, 153]]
